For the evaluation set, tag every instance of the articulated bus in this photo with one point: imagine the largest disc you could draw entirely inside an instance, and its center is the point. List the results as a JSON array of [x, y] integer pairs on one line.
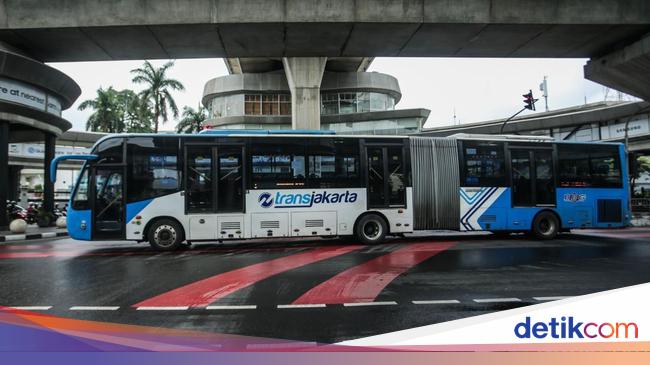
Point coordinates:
[[237, 184]]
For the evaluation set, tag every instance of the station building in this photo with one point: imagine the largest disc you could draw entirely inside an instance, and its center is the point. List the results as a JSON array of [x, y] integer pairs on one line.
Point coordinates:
[[350, 99]]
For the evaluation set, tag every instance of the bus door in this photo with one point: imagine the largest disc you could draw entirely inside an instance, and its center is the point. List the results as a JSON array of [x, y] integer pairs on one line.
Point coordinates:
[[385, 179], [533, 177], [108, 202], [214, 179]]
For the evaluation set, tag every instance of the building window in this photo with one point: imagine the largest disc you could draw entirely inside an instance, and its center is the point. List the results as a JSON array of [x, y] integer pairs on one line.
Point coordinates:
[[253, 105], [347, 103], [330, 104], [484, 164], [267, 104], [270, 104], [285, 104]]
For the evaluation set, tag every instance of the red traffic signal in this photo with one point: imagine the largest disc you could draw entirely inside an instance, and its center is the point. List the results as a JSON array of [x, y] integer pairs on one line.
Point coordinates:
[[529, 101]]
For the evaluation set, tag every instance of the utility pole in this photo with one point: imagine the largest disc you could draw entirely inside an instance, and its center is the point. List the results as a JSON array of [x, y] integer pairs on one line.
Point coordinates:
[[543, 87]]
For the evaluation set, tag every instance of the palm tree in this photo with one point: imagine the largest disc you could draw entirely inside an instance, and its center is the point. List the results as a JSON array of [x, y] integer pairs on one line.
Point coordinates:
[[192, 121], [136, 112], [158, 90], [106, 116]]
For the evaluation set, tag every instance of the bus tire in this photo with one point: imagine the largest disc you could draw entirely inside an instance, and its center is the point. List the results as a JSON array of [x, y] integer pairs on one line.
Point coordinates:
[[165, 235], [371, 229], [545, 226]]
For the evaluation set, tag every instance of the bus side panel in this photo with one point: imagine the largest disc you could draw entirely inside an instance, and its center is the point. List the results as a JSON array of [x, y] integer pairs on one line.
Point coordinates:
[[483, 208], [79, 223], [171, 205], [591, 207]]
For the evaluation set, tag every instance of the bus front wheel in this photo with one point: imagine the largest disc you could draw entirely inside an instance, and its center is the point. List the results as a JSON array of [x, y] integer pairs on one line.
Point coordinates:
[[546, 226], [165, 235], [371, 229]]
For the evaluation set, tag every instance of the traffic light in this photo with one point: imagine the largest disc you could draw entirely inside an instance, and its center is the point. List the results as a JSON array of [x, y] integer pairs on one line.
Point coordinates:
[[529, 101]]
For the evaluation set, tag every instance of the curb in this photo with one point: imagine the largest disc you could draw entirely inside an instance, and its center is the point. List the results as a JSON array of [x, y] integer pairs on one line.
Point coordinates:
[[32, 236]]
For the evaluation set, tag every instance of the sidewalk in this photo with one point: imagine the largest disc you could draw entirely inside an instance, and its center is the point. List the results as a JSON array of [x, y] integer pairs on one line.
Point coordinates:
[[33, 232]]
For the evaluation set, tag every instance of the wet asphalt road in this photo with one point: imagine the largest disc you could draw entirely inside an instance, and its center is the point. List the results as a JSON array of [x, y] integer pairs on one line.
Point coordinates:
[[317, 290]]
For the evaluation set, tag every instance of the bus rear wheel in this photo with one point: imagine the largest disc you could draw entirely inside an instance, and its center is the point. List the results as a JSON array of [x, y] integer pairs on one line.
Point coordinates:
[[165, 235], [371, 229], [546, 226]]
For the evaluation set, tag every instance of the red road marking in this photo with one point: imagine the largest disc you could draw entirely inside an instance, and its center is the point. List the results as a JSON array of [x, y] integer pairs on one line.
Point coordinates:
[[364, 282], [206, 291]]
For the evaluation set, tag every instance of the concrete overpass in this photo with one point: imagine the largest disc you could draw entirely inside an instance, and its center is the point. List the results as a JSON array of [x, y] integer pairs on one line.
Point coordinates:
[[601, 121], [613, 33]]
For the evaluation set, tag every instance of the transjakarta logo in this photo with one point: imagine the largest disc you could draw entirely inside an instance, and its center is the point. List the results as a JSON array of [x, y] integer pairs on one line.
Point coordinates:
[[567, 327], [304, 200], [575, 197]]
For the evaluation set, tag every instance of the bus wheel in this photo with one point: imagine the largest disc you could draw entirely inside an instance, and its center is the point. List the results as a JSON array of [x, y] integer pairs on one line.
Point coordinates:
[[546, 226], [371, 229], [165, 235]]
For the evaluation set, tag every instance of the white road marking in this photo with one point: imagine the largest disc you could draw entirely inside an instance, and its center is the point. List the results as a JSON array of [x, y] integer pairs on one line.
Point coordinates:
[[542, 299], [364, 304], [288, 306], [34, 308], [497, 300], [162, 308], [218, 307], [94, 308], [449, 301]]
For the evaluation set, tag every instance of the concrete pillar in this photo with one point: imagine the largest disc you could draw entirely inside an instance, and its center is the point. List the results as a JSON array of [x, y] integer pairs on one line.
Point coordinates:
[[48, 186], [14, 182], [4, 177], [304, 75]]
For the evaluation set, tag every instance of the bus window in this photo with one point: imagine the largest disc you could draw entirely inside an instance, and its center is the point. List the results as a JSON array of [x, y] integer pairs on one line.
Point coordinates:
[[589, 166], [80, 197], [152, 167], [333, 164], [484, 164], [110, 151], [278, 164], [396, 179]]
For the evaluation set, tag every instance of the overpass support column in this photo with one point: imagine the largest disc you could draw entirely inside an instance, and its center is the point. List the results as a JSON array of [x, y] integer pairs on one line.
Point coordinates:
[[627, 69], [48, 186], [4, 177], [304, 75]]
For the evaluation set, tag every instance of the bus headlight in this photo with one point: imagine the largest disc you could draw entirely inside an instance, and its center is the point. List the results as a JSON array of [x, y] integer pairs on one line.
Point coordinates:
[[82, 225]]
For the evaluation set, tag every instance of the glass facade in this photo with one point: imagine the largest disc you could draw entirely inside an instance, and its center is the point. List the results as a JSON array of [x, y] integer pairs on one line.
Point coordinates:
[[386, 126], [361, 102]]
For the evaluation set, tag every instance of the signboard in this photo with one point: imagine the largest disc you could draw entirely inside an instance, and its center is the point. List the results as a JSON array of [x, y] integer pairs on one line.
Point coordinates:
[[30, 96], [637, 127], [34, 150]]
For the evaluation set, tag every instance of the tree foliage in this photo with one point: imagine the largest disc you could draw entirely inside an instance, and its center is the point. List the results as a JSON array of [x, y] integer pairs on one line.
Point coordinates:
[[192, 121], [158, 89]]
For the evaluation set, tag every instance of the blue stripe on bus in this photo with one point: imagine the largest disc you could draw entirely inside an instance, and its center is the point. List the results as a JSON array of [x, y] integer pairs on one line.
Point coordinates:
[[133, 209]]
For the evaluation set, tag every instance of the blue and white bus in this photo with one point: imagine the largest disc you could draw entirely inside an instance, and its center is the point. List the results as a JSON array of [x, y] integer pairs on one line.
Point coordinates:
[[238, 184]]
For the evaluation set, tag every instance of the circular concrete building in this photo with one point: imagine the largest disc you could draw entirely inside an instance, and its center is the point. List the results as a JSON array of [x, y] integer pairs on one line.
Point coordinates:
[[32, 96], [350, 103]]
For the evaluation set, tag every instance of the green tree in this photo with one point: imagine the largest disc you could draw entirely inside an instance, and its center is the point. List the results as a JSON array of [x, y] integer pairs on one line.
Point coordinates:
[[642, 167], [192, 121], [106, 116], [158, 90], [136, 112]]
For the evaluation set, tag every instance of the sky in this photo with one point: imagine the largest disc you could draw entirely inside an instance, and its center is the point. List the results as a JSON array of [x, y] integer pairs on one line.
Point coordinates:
[[475, 89]]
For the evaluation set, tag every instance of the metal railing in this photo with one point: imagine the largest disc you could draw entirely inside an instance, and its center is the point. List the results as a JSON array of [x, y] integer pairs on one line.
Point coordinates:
[[641, 204]]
